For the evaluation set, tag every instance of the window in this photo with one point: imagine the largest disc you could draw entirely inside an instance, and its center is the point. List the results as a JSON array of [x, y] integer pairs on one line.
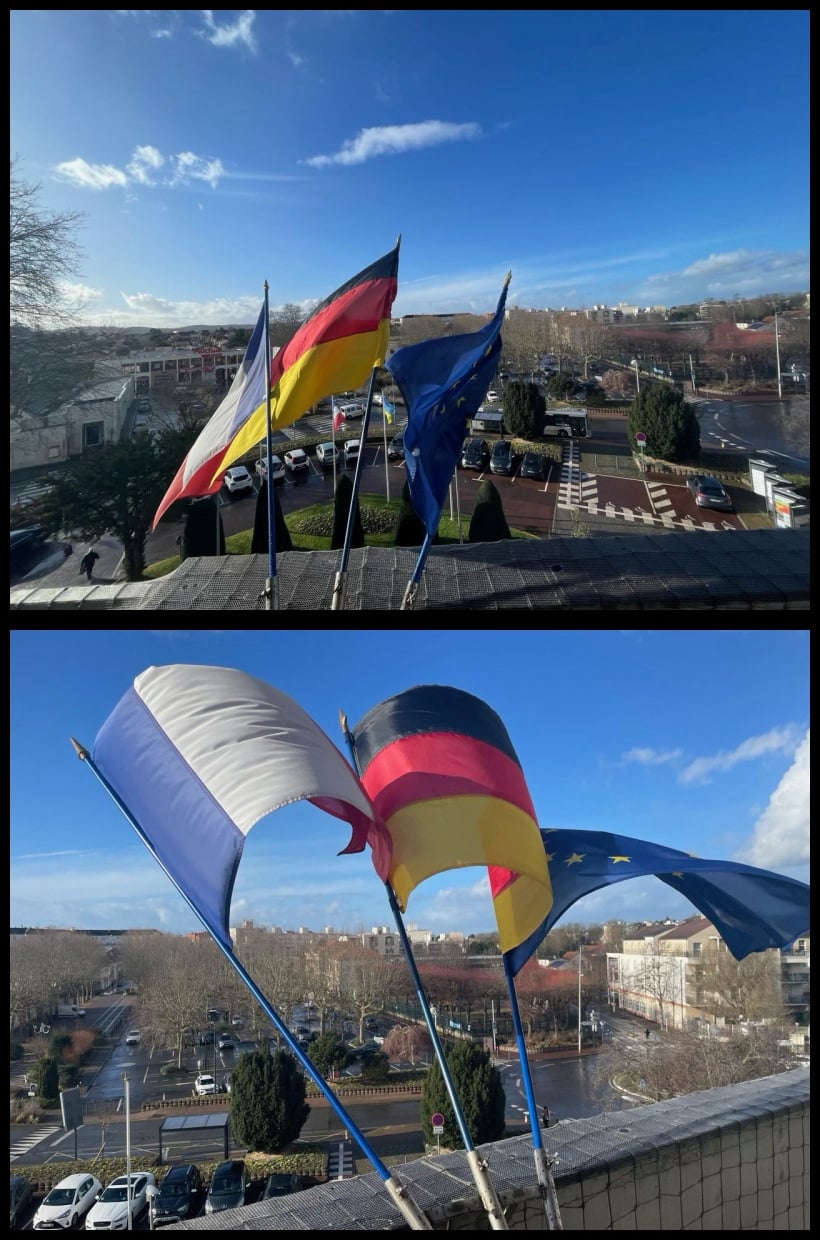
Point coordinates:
[[93, 434], [697, 949]]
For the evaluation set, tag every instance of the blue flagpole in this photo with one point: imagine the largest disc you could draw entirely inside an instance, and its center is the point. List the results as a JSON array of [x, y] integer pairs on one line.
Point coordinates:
[[543, 1163], [409, 600], [489, 1197], [398, 1193], [272, 584], [338, 601]]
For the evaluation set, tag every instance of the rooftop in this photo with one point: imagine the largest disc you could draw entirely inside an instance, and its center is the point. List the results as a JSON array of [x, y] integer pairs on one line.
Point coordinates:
[[735, 570]]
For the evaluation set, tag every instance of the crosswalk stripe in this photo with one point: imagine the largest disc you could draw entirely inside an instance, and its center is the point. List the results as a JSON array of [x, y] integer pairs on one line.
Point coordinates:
[[26, 1143]]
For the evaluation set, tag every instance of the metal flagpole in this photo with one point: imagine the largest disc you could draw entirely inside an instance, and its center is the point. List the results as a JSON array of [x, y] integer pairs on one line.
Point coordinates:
[[543, 1162], [333, 437], [340, 583], [386, 462], [458, 510], [272, 583], [397, 1192], [409, 600], [489, 1197]]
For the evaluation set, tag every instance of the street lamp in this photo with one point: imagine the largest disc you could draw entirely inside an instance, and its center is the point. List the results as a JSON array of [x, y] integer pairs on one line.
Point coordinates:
[[129, 1191], [637, 375], [580, 951]]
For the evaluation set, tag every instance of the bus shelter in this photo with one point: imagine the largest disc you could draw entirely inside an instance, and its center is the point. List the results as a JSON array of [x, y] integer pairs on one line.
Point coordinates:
[[179, 1133]]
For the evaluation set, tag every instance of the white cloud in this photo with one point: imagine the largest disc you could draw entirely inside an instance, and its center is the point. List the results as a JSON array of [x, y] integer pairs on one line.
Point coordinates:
[[781, 833], [144, 160], [90, 176], [186, 167], [237, 34], [778, 740], [727, 274], [651, 757], [395, 140]]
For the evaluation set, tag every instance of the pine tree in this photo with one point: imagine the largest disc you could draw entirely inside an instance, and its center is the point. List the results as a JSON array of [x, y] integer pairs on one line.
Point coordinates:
[[259, 539], [480, 1091], [410, 531], [341, 508], [668, 421], [203, 533], [488, 523], [268, 1107]]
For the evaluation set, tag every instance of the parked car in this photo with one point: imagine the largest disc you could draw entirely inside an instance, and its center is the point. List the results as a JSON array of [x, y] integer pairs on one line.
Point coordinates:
[[178, 1193], [204, 1084], [110, 1211], [327, 454], [236, 1021], [144, 405], [351, 409], [351, 451], [19, 1200], [67, 1203], [395, 449], [279, 1184], [277, 469], [296, 460], [491, 396], [226, 1042], [533, 465], [132, 1038], [228, 1188], [501, 460], [476, 454], [709, 493], [236, 479]]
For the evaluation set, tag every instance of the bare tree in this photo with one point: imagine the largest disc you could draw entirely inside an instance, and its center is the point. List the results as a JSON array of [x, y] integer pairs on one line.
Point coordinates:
[[43, 254]]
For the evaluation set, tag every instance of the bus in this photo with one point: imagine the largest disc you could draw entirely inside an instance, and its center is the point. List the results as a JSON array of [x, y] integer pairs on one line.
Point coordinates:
[[567, 423]]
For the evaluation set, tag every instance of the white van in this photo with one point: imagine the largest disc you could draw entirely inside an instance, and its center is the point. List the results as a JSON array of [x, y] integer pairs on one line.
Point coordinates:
[[353, 409], [351, 451]]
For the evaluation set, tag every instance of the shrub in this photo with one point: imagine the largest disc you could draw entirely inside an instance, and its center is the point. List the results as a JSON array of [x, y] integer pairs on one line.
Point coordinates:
[[488, 523], [259, 540], [341, 510], [203, 533]]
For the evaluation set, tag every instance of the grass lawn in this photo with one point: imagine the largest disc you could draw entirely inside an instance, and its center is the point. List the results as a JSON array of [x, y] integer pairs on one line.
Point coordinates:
[[311, 530]]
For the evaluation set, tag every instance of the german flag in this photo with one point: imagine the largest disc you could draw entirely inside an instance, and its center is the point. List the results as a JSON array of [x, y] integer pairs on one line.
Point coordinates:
[[335, 349], [442, 773]]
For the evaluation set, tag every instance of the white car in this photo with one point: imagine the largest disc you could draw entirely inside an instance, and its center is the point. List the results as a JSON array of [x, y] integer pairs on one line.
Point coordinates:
[[110, 1212], [327, 454], [491, 396], [296, 459], [132, 1038], [237, 478], [204, 1084], [277, 471], [67, 1203], [351, 451]]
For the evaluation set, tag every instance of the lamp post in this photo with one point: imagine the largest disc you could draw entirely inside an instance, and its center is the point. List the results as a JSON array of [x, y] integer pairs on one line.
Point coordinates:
[[128, 1190], [777, 352], [637, 376], [580, 951]]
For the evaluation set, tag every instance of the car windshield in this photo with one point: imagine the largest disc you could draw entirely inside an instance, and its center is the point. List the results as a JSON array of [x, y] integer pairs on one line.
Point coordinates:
[[115, 1192], [226, 1184], [60, 1197], [175, 1189], [711, 488]]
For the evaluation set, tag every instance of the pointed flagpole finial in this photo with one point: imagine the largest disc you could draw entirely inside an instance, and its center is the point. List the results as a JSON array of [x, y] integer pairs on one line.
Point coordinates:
[[342, 720], [80, 750], [507, 279]]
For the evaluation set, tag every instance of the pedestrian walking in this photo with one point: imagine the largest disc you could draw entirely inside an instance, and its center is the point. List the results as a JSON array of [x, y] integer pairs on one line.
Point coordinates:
[[67, 550], [88, 561]]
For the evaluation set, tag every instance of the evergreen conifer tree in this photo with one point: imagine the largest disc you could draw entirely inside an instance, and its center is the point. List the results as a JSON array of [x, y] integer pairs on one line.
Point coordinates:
[[203, 533], [341, 507], [259, 538], [488, 523], [479, 1089], [268, 1107]]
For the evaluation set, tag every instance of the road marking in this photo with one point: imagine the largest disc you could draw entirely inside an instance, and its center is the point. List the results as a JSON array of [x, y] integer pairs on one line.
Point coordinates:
[[28, 1143]]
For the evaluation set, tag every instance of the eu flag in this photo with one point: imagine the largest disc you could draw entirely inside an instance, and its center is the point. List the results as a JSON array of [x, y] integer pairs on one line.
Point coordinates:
[[751, 909], [443, 382]]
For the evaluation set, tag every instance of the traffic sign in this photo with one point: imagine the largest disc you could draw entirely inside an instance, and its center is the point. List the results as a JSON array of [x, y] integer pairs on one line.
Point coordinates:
[[437, 1120], [640, 437]]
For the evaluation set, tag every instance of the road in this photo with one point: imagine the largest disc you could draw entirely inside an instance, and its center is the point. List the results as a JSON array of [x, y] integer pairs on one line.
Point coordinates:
[[778, 429]]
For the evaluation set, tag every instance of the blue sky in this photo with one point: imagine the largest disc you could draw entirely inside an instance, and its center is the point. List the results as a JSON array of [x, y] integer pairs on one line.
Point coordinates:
[[655, 157], [696, 740]]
